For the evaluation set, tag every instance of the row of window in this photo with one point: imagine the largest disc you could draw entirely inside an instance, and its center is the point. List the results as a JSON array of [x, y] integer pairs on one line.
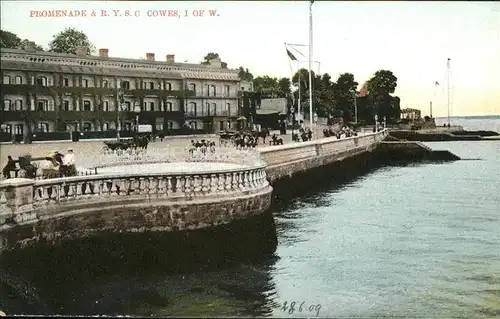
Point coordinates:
[[43, 127], [209, 109], [44, 81], [192, 107], [43, 105]]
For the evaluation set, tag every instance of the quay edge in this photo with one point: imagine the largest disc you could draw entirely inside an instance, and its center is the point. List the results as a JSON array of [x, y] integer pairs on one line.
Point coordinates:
[[331, 159], [25, 223]]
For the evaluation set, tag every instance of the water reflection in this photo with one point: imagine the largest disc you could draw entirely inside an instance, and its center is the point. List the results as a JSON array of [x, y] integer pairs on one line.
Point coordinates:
[[217, 271], [430, 249]]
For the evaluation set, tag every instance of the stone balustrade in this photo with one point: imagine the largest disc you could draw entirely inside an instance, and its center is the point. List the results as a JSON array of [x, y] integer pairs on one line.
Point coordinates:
[[186, 186], [275, 155], [79, 206], [38, 194]]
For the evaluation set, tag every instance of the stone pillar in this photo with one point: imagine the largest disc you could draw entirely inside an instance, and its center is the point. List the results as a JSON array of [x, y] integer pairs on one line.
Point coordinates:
[[19, 200]]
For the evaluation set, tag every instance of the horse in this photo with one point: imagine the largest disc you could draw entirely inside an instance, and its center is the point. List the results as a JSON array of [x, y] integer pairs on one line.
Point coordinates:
[[275, 140], [264, 134]]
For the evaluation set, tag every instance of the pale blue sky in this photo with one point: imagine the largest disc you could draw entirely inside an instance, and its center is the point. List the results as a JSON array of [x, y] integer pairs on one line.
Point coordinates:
[[413, 39]]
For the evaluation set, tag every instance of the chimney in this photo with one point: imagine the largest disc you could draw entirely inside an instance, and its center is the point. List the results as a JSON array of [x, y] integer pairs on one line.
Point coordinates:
[[81, 50], [103, 53], [170, 57], [216, 63], [150, 56], [29, 46]]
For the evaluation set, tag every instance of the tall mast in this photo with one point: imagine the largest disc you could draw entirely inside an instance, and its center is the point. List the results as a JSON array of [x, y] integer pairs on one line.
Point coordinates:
[[448, 87], [298, 104], [310, 67]]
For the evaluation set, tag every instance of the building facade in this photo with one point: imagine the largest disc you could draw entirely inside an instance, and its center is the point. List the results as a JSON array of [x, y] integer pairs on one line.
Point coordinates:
[[51, 92]]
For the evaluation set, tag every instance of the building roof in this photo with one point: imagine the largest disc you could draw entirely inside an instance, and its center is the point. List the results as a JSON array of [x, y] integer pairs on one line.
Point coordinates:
[[61, 62], [270, 106]]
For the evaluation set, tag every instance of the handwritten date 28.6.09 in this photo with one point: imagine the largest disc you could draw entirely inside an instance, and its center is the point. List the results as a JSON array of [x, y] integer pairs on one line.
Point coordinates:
[[294, 306]]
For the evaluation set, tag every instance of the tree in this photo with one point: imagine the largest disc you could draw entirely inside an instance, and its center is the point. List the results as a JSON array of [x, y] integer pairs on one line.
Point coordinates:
[[267, 86], [345, 92], [322, 91], [210, 56], [10, 40], [284, 87], [244, 74], [380, 88], [68, 40]]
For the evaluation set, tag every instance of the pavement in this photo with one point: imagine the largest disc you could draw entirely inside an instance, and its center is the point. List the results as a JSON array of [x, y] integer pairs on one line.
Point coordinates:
[[87, 151]]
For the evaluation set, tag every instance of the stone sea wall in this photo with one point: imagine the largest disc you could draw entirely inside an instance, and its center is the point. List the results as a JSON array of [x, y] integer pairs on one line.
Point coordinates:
[[288, 160]]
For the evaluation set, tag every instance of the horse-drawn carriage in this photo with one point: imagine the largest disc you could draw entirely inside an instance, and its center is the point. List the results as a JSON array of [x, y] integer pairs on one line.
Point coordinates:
[[138, 143], [56, 168], [52, 169], [237, 138]]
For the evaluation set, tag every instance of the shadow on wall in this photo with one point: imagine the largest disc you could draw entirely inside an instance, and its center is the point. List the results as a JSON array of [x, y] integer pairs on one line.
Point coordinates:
[[60, 272]]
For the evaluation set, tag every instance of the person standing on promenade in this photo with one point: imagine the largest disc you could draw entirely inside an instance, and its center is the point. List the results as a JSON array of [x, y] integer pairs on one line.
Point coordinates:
[[68, 161], [10, 166]]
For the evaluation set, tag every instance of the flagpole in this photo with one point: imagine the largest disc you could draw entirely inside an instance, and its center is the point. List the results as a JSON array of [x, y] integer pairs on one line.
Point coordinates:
[[436, 84], [310, 67], [298, 104], [448, 88]]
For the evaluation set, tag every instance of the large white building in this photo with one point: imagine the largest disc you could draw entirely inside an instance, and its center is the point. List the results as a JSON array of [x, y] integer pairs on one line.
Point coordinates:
[[49, 92]]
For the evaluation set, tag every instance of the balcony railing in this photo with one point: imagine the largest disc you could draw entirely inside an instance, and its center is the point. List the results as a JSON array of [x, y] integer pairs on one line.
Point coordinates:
[[29, 88], [207, 114]]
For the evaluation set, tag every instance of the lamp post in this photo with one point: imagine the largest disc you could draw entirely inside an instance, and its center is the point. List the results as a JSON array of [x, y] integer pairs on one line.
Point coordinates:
[[310, 63], [355, 106], [137, 111], [119, 107]]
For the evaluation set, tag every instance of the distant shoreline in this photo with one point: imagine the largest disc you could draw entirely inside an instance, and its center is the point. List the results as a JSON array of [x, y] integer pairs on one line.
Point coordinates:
[[470, 117]]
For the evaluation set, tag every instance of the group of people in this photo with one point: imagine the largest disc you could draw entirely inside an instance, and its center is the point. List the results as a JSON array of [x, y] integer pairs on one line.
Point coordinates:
[[56, 161], [203, 146], [65, 163], [244, 140], [346, 131], [303, 135]]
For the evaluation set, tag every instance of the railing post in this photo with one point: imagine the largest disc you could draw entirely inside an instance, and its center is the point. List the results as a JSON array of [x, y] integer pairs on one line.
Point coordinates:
[[19, 200]]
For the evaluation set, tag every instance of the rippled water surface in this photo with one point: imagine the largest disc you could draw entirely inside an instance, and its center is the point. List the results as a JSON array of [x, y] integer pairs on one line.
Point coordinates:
[[417, 240], [420, 239]]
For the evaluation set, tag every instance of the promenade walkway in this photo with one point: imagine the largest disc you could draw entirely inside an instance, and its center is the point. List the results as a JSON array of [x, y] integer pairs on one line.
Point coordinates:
[[86, 151]]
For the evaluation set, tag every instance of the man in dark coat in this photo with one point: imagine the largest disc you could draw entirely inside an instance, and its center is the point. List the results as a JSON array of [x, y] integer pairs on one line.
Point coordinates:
[[11, 166]]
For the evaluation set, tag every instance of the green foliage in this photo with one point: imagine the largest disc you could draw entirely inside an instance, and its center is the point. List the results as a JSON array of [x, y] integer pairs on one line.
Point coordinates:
[[345, 91], [284, 87], [210, 56], [380, 88], [382, 83], [323, 91], [272, 87], [68, 40], [10, 40], [244, 74]]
